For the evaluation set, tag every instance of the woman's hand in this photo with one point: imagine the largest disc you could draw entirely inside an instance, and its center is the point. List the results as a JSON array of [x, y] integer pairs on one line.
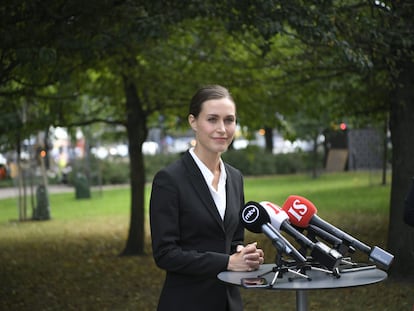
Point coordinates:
[[247, 258]]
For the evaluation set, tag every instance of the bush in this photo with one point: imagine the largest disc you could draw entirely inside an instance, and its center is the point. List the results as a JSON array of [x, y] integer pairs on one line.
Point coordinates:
[[156, 162], [116, 170], [254, 161], [101, 172]]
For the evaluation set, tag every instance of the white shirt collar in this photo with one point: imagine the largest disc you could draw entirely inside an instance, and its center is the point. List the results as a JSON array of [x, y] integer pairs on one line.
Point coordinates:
[[208, 175], [219, 195]]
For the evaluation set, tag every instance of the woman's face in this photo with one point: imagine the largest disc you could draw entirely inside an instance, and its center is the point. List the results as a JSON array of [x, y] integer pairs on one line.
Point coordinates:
[[215, 125]]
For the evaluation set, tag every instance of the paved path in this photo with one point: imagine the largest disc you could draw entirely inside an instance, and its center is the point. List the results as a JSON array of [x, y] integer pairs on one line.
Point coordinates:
[[13, 192]]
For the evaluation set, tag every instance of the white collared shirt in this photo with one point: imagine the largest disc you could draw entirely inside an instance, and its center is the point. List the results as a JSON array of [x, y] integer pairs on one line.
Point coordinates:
[[219, 195]]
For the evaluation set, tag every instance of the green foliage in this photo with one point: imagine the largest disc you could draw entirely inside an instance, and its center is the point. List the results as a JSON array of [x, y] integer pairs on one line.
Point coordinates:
[[100, 172], [116, 170], [268, 68], [254, 161], [251, 162], [154, 163]]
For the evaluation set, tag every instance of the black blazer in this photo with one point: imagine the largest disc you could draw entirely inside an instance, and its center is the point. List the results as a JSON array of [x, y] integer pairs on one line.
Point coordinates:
[[191, 241]]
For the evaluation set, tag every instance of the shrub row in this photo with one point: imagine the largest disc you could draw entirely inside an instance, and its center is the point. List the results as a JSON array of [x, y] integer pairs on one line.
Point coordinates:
[[254, 161], [250, 161]]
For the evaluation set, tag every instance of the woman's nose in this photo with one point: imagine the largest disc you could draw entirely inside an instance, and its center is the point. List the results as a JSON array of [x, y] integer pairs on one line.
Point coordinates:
[[221, 127]]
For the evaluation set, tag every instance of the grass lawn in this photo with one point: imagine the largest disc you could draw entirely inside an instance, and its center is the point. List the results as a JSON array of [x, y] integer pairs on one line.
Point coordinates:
[[72, 261]]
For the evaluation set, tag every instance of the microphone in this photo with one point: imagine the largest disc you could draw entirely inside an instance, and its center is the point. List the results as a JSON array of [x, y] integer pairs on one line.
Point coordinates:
[[255, 219], [302, 213], [279, 219], [314, 232], [330, 238]]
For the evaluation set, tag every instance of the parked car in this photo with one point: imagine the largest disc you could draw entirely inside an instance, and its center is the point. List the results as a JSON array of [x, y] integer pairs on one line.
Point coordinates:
[[3, 167]]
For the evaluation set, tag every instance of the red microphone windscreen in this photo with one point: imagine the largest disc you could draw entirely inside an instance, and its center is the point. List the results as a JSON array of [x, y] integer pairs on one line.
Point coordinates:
[[300, 210]]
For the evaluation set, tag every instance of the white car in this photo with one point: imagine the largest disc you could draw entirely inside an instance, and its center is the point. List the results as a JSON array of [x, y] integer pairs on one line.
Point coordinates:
[[3, 160]]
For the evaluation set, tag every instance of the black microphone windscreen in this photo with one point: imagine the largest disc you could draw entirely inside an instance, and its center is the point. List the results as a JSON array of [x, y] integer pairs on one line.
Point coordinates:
[[253, 216]]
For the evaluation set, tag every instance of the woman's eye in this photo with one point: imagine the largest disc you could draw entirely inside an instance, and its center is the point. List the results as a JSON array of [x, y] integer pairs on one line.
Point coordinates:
[[226, 120]]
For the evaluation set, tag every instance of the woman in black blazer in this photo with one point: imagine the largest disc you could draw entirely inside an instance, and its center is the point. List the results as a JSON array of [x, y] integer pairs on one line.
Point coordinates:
[[194, 214]]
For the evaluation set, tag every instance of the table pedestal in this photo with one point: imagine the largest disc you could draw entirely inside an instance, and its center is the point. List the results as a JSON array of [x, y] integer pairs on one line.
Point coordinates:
[[301, 300]]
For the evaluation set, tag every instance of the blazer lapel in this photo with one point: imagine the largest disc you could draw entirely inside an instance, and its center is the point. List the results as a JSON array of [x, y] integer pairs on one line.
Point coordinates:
[[231, 216], [200, 186]]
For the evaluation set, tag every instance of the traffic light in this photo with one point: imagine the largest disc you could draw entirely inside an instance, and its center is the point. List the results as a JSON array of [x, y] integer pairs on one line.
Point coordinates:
[[42, 156]]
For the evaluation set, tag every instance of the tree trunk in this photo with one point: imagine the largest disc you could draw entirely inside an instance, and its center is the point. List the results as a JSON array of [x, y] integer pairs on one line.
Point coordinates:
[[400, 235], [268, 139], [385, 153], [315, 157], [137, 133]]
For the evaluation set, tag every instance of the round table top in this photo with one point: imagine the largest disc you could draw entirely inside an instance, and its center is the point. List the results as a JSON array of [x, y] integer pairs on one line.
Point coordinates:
[[318, 279]]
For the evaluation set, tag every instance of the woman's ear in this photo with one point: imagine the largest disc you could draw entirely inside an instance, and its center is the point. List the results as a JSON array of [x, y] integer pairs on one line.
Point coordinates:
[[192, 121]]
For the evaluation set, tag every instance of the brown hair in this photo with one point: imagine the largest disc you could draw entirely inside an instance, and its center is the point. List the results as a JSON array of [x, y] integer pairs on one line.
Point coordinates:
[[206, 93]]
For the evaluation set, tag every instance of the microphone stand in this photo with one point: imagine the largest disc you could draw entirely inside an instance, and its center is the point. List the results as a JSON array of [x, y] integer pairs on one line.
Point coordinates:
[[315, 265], [283, 267]]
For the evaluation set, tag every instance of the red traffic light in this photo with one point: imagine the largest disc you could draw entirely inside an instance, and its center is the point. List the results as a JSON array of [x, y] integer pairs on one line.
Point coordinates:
[[342, 126]]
